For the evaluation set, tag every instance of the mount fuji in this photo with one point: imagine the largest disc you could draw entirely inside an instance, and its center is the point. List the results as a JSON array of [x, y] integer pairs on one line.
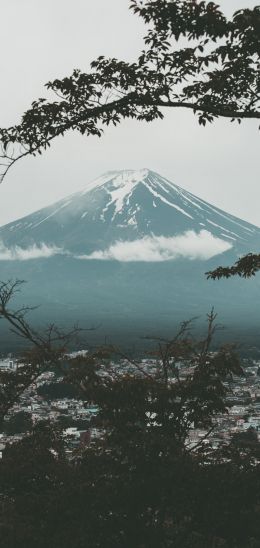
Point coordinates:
[[121, 209], [130, 251]]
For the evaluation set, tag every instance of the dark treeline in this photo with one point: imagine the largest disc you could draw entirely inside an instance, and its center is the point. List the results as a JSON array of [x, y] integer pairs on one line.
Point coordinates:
[[140, 482]]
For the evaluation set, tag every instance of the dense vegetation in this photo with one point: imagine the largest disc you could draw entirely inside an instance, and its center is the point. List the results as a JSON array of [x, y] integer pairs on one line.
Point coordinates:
[[141, 482]]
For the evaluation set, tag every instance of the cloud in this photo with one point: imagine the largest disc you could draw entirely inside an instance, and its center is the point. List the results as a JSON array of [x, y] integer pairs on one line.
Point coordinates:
[[17, 253], [189, 245]]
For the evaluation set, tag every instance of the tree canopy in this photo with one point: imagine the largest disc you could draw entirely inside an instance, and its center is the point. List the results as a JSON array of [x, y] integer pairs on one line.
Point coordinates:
[[142, 482], [194, 57]]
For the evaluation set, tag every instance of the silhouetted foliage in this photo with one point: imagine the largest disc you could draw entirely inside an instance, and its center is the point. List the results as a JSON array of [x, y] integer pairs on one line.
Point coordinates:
[[193, 58], [57, 390], [18, 423], [140, 482], [46, 349], [245, 267]]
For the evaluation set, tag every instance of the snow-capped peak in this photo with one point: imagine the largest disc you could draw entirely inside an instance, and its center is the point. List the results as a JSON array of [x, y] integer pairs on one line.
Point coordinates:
[[119, 186], [127, 179], [127, 205]]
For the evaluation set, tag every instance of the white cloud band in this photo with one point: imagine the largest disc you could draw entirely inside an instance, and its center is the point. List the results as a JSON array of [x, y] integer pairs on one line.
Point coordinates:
[[18, 253], [190, 245]]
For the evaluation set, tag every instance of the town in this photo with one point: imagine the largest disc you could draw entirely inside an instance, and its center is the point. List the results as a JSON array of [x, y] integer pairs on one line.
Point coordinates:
[[78, 419]]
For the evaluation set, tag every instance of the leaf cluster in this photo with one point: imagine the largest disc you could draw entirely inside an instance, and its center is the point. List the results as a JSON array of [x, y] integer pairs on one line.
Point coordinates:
[[245, 267], [193, 57]]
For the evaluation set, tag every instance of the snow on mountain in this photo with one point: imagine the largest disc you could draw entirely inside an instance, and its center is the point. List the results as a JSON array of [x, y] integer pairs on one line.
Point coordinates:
[[129, 252], [128, 216]]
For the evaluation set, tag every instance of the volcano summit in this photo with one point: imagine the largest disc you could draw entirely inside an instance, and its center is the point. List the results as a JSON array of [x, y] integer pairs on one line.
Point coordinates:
[[135, 208]]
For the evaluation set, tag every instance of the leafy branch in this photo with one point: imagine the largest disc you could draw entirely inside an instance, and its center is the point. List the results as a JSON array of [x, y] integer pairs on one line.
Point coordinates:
[[215, 73]]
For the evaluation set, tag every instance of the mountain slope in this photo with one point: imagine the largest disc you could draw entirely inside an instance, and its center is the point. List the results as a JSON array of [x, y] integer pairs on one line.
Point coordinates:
[[129, 252], [127, 205]]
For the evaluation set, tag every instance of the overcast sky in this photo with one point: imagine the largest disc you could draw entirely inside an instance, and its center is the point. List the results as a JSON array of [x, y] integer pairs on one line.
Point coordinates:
[[41, 40]]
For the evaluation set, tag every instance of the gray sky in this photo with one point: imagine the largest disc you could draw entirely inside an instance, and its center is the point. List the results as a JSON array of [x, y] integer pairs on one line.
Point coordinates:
[[45, 40]]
